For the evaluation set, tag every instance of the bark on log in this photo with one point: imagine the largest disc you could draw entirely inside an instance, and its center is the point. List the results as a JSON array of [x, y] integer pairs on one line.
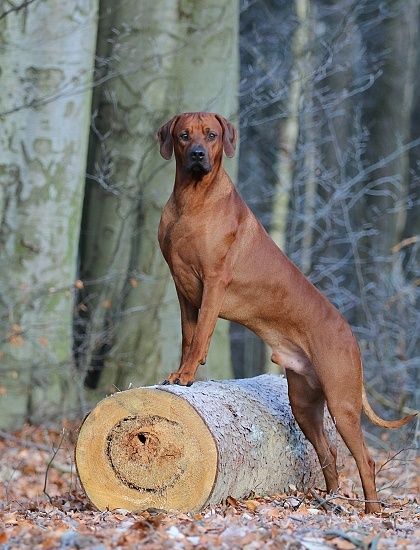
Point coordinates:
[[177, 448]]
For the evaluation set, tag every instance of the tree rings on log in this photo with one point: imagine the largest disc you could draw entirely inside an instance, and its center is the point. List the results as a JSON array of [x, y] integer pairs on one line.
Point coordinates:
[[146, 448], [180, 449]]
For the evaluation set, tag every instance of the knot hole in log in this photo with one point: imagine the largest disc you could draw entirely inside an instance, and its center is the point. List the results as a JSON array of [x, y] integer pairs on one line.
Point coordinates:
[[147, 453]]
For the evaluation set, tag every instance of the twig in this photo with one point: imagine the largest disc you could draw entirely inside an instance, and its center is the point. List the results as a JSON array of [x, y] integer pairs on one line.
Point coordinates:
[[393, 485], [62, 468], [362, 500], [325, 504], [390, 459], [353, 499], [405, 242], [44, 490]]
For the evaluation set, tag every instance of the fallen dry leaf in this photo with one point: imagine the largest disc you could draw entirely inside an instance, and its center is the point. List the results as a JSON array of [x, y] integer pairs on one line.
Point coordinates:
[[252, 505], [29, 520], [342, 544]]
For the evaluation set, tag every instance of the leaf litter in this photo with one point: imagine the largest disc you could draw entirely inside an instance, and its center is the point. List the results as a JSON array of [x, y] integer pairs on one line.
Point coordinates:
[[43, 507]]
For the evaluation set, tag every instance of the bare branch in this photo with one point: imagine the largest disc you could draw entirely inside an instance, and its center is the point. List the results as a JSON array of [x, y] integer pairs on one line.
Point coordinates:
[[16, 8]]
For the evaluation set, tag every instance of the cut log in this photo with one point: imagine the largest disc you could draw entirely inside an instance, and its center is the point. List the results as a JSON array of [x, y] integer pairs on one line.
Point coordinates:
[[180, 449]]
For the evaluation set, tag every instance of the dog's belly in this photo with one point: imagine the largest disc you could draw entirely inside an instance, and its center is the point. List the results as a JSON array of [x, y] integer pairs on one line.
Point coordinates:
[[273, 328]]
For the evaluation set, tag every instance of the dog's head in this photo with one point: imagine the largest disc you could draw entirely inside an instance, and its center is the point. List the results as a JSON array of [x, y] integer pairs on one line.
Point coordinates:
[[198, 140]]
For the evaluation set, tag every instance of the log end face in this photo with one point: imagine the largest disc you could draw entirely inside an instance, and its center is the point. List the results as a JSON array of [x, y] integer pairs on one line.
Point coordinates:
[[144, 448]]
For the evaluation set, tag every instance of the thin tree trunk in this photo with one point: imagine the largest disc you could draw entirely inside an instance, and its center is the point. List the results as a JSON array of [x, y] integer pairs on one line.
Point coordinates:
[[46, 82], [307, 121], [289, 129]]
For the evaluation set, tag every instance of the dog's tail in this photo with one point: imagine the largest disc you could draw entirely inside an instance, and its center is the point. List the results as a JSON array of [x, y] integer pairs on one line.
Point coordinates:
[[373, 417]]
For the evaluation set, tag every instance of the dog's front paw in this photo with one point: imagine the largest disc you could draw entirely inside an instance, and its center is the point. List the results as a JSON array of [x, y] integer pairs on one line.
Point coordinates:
[[180, 378]]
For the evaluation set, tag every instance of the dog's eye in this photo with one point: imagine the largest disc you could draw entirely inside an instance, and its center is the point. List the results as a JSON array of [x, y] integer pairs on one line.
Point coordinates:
[[211, 136], [184, 136]]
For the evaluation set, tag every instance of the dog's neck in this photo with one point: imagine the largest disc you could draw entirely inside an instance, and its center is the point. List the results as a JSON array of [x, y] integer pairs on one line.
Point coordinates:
[[190, 191]]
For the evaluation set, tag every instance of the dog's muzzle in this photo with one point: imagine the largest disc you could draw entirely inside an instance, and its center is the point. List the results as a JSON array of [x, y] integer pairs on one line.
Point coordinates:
[[198, 161]]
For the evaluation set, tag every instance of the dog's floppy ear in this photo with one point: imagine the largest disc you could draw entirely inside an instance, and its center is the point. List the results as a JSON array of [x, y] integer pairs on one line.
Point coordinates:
[[229, 136], [166, 141]]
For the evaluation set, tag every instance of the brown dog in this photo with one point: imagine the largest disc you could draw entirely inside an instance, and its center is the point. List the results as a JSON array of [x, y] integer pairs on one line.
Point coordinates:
[[224, 264]]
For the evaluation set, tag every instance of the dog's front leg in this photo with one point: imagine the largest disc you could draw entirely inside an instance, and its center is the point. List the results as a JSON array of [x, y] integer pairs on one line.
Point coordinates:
[[189, 316], [213, 293]]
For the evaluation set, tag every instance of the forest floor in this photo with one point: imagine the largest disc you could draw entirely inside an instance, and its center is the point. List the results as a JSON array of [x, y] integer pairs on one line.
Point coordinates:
[[42, 506]]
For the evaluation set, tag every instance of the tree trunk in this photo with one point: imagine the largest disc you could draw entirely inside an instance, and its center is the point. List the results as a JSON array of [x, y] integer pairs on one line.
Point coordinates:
[[44, 115], [178, 448], [265, 67], [388, 116], [411, 253], [338, 96], [131, 313], [304, 140], [289, 128]]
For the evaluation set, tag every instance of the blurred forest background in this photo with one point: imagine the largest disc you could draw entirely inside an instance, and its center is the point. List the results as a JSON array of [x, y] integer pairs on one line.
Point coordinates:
[[325, 94]]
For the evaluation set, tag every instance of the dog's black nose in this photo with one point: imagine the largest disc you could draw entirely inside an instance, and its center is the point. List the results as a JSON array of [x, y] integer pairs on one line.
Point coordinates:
[[197, 153]]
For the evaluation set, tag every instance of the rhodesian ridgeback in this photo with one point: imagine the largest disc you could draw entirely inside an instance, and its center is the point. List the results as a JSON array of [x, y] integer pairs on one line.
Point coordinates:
[[224, 264]]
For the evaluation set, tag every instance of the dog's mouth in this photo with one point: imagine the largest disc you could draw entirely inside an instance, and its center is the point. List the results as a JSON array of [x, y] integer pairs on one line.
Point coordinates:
[[199, 168]]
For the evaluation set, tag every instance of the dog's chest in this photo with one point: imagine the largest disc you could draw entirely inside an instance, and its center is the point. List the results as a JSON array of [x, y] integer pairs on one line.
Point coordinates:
[[191, 246], [177, 240]]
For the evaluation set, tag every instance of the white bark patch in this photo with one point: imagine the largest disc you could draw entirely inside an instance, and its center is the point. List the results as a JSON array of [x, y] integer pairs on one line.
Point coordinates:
[[46, 60]]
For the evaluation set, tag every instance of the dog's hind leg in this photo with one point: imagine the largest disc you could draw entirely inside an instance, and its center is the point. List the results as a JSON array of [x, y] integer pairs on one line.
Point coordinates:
[[307, 405], [346, 409]]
